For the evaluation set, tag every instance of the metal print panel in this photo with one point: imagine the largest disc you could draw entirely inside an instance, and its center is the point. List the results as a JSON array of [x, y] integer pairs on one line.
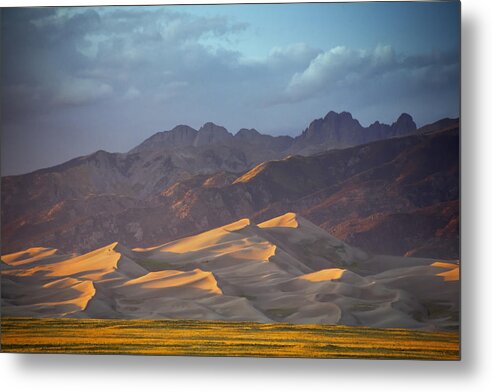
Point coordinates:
[[276, 180]]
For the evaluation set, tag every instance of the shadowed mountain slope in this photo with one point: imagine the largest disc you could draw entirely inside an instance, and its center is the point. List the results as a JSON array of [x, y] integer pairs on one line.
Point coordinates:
[[193, 183], [339, 130], [398, 196]]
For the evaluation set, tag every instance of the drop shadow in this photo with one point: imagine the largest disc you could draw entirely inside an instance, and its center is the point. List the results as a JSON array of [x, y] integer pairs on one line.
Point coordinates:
[[470, 213]]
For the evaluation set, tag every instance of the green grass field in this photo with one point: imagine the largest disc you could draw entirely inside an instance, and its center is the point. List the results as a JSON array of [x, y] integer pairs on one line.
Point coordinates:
[[219, 338]]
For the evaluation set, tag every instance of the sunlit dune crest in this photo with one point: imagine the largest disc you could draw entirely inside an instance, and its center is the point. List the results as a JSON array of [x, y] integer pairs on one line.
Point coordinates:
[[83, 292], [251, 174], [204, 240], [442, 264], [323, 275], [197, 278], [283, 270], [452, 273], [238, 225], [287, 220], [93, 265], [86, 290], [61, 297], [28, 256]]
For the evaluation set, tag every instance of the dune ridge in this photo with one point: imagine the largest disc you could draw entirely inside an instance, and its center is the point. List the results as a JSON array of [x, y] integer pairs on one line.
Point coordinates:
[[285, 269], [327, 274]]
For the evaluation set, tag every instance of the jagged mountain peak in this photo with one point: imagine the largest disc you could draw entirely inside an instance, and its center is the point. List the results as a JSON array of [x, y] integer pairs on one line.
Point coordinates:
[[334, 130], [341, 116], [211, 133], [404, 125], [339, 130], [247, 133], [212, 127], [404, 117], [182, 128], [179, 136]]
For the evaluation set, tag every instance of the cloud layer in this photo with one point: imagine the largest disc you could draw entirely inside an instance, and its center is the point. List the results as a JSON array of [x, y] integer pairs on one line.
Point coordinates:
[[345, 68], [113, 70]]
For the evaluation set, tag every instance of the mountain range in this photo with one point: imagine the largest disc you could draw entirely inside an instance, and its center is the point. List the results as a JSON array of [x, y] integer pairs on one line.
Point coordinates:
[[285, 269], [390, 189]]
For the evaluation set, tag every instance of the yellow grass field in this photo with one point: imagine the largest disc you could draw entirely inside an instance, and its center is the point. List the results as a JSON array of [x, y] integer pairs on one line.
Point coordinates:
[[219, 338]]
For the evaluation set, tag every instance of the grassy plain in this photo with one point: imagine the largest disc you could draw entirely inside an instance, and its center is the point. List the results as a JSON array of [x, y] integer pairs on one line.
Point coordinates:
[[219, 338]]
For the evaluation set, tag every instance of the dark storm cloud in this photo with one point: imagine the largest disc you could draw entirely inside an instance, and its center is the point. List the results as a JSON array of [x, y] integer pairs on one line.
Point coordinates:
[[54, 59], [41, 60]]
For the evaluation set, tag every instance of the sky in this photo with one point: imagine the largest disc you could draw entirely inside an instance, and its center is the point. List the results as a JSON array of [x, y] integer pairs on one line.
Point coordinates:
[[80, 79]]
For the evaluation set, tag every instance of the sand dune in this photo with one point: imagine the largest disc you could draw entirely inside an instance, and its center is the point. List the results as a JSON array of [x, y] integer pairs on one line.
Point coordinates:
[[287, 220], [181, 282], [323, 275], [452, 272], [285, 269], [62, 297], [31, 256]]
